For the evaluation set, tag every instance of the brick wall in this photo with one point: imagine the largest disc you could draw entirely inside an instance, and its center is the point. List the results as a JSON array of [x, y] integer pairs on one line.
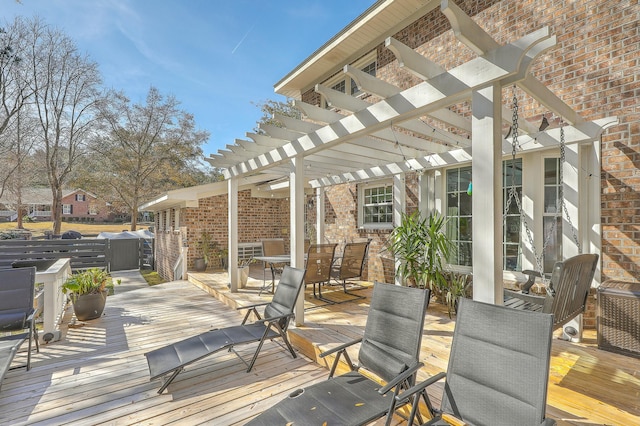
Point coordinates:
[[594, 68], [80, 208]]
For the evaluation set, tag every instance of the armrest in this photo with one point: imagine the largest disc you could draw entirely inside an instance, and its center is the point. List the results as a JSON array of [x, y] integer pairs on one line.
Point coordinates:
[[340, 348], [252, 306], [268, 321], [536, 300], [531, 281], [419, 387], [400, 377]]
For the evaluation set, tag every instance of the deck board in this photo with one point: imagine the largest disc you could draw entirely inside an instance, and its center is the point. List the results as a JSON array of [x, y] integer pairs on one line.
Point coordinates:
[[98, 373]]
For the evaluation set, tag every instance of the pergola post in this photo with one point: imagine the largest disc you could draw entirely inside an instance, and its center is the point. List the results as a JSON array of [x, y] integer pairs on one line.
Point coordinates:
[[486, 145], [320, 198], [399, 206], [233, 234], [297, 206]]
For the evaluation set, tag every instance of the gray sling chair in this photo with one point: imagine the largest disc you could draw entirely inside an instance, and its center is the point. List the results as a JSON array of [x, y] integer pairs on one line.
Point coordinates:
[[498, 369], [318, 264], [173, 358], [567, 290], [17, 313], [350, 265], [390, 349]]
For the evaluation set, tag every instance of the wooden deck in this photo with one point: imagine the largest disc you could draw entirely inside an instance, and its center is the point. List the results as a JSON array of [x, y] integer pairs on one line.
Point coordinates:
[[98, 374]]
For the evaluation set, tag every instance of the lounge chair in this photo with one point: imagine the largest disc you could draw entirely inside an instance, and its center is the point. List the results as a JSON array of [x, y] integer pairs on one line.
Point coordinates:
[[498, 369], [389, 349], [566, 293], [318, 265], [17, 313], [173, 358]]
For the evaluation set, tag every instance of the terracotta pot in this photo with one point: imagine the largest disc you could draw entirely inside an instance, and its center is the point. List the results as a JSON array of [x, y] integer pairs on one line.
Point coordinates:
[[90, 306]]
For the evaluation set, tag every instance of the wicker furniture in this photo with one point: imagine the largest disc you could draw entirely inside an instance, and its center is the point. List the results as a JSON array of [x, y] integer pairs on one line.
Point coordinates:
[[619, 317]]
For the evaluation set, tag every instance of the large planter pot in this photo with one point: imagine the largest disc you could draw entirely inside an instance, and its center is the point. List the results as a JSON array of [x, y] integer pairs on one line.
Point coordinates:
[[243, 276], [90, 306], [199, 265]]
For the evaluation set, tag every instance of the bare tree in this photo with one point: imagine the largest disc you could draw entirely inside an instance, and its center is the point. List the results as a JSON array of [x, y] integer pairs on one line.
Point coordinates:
[[66, 85], [145, 147], [14, 90]]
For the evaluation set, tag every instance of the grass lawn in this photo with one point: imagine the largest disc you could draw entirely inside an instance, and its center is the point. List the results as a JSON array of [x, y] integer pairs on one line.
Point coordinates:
[[38, 228]]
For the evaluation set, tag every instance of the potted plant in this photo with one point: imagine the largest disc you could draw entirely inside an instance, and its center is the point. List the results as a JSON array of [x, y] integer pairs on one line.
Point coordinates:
[[206, 245], [422, 246], [88, 291], [243, 271]]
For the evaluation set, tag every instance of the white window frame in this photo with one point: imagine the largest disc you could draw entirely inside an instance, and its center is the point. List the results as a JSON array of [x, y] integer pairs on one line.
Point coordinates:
[[80, 197], [387, 183], [66, 209], [340, 76], [93, 209]]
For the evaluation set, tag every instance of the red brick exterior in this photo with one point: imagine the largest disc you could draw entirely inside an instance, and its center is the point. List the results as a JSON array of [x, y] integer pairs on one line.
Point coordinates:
[[80, 208], [594, 68]]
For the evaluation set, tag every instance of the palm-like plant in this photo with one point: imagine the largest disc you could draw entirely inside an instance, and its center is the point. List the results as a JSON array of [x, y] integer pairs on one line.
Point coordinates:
[[422, 247], [91, 281]]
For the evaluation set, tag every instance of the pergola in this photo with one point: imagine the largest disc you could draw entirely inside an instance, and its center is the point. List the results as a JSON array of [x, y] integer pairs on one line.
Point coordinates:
[[417, 130]]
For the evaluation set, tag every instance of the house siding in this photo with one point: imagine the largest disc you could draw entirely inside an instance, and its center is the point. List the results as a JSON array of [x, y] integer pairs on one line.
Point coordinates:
[[80, 209]]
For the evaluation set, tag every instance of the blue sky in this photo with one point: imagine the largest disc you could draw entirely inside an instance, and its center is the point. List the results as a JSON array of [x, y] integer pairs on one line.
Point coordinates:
[[215, 56]]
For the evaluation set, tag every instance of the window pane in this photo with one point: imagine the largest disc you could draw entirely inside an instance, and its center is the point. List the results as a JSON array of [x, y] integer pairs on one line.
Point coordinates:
[[551, 171]]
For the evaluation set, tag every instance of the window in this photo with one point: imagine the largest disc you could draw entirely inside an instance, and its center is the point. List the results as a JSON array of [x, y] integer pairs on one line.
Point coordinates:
[[367, 63], [67, 209], [93, 209], [375, 205], [511, 231], [460, 219], [551, 216], [459, 215], [79, 197]]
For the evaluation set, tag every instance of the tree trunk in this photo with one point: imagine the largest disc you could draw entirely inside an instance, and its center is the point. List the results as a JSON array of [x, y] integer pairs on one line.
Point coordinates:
[[134, 217], [56, 210], [20, 212]]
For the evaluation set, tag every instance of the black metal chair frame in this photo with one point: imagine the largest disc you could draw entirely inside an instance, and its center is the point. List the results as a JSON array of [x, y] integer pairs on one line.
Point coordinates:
[[173, 358], [498, 369], [389, 348], [319, 260], [17, 288], [344, 269]]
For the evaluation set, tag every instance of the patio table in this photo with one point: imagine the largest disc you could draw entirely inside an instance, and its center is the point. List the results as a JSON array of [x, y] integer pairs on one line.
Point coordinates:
[[271, 260]]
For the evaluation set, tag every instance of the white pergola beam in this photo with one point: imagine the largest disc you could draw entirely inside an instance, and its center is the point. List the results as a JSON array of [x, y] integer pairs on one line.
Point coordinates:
[[438, 92], [585, 132], [316, 113], [296, 125], [472, 35], [412, 61]]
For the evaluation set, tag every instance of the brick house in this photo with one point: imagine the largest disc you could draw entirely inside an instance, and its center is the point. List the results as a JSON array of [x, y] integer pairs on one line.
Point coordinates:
[[77, 205], [395, 104], [81, 205]]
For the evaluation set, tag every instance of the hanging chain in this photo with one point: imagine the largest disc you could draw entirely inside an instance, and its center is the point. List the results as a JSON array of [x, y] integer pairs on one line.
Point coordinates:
[[561, 191], [513, 192]]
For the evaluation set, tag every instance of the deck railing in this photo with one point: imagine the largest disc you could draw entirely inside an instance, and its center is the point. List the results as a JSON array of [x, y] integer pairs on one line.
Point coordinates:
[[54, 300]]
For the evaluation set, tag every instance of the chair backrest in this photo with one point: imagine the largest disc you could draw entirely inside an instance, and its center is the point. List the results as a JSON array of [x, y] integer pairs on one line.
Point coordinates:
[[287, 291], [353, 258], [499, 365], [273, 246], [17, 287], [319, 262], [393, 332], [569, 286]]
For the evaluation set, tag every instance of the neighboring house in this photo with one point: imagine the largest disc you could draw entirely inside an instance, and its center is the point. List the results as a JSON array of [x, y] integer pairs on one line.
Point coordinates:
[[77, 205], [411, 106]]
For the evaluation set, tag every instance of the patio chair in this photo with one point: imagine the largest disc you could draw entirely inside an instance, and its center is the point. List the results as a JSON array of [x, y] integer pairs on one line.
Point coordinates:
[[17, 287], [318, 265], [498, 369], [173, 358], [566, 293], [273, 247], [389, 349], [350, 265]]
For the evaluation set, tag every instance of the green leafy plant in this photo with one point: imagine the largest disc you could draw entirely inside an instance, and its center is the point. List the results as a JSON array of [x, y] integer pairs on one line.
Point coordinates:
[[90, 281], [459, 285], [422, 246], [207, 246]]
